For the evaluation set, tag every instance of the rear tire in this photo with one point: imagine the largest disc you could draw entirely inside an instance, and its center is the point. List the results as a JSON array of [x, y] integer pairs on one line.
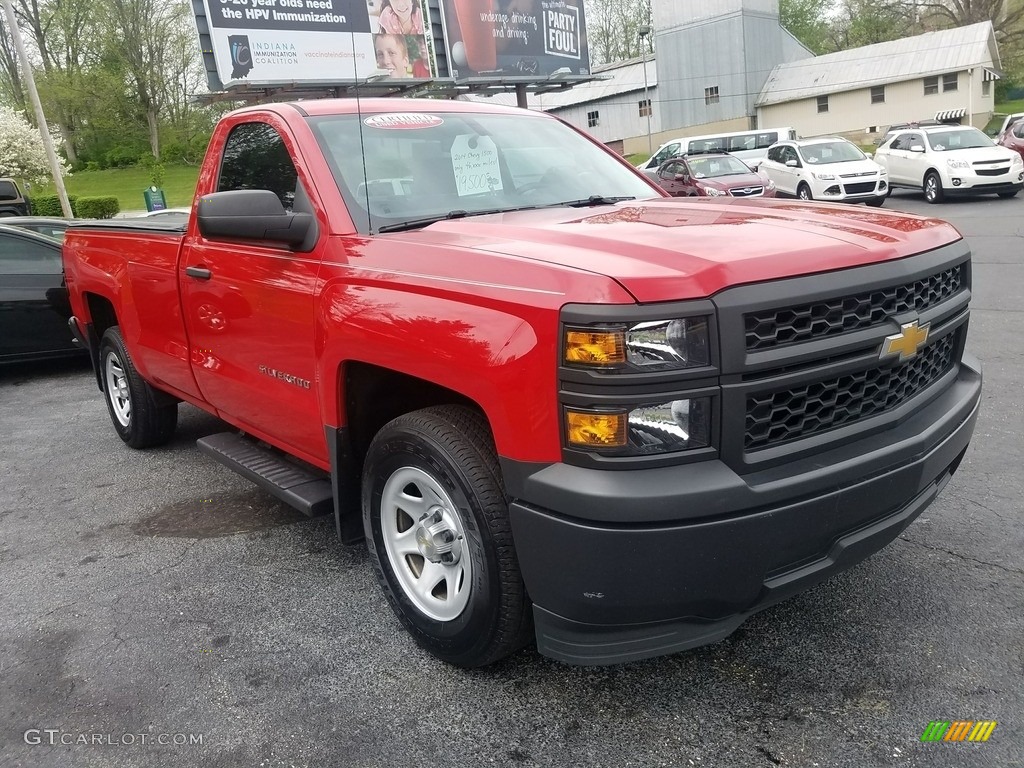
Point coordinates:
[[131, 402], [435, 515], [933, 191], [803, 192]]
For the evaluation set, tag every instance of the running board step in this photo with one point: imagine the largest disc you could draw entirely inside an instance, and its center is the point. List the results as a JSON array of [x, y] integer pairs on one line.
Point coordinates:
[[309, 493]]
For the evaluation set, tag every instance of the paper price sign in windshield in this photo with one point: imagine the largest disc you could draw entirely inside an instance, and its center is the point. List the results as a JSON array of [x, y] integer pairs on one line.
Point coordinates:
[[475, 163]]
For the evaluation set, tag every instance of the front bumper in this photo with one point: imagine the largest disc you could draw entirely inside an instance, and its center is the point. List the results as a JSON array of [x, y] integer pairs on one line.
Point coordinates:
[[625, 565], [983, 187], [959, 182], [839, 192]]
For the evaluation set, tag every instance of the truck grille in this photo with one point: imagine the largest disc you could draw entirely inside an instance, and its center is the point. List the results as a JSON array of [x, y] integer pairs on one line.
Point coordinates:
[[778, 417], [830, 317]]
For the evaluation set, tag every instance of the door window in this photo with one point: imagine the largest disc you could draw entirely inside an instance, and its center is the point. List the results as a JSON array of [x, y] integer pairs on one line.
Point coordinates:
[[21, 256], [665, 153], [255, 157], [670, 170]]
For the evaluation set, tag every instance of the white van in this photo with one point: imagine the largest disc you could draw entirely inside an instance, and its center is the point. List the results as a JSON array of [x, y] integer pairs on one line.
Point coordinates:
[[749, 146]]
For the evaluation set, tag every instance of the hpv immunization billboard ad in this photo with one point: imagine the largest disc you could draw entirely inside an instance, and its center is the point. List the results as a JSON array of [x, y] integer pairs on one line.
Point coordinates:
[[267, 42], [515, 37]]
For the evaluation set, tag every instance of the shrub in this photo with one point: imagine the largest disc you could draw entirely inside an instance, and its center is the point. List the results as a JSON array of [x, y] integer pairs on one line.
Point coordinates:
[[49, 205], [122, 157], [98, 207]]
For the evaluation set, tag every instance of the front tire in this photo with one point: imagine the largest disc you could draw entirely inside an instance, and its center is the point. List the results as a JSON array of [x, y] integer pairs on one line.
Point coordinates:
[[933, 191], [436, 520], [1009, 194], [876, 202], [131, 402], [803, 192]]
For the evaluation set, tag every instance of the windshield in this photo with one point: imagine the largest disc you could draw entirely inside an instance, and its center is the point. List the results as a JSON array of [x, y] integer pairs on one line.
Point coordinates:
[[418, 166], [965, 138], [831, 152], [711, 167]]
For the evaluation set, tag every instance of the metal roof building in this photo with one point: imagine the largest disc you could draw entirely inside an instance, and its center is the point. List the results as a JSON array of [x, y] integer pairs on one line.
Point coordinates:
[[935, 75]]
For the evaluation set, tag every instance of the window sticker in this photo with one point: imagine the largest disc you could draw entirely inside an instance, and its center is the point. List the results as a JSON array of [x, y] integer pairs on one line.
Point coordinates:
[[402, 121], [475, 163]]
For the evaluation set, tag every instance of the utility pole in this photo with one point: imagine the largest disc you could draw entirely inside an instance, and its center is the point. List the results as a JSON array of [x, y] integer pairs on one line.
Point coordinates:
[[33, 94], [644, 32]]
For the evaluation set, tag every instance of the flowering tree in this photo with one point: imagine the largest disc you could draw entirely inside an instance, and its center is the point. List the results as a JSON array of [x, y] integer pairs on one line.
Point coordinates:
[[22, 154]]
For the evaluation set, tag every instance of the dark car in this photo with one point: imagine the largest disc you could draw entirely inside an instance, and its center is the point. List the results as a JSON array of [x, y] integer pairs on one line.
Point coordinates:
[[712, 174], [1013, 137], [52, 227], [12, 201], [34, 308]]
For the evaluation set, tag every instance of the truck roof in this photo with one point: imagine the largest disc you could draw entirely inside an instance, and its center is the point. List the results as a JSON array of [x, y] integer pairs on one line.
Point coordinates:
[[353, 106]]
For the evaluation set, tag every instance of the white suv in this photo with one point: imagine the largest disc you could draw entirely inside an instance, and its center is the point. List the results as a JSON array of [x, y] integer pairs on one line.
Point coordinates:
[[828, 168], [950, 160]]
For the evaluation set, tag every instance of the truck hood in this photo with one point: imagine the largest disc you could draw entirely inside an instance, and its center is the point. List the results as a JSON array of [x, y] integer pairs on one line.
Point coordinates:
[[667, 249]]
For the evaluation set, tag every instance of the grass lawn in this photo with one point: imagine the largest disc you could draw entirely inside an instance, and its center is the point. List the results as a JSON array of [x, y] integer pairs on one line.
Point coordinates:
[[127, 184], [1002, 110]]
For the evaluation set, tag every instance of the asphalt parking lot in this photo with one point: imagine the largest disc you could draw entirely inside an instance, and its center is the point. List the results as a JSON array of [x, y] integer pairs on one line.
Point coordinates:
[[166, 612]]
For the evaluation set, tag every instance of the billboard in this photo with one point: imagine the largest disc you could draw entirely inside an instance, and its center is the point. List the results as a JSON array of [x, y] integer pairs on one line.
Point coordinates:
[[528, 38], [268, 42]]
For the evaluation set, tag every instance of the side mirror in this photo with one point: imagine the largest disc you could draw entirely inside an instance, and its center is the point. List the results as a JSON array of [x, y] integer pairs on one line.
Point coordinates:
[[252, 214], [792, 164], [917, 148], [681, 177]]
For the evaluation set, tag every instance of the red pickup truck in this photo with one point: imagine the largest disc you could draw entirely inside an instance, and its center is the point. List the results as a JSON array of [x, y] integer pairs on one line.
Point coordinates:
[[555, 403]]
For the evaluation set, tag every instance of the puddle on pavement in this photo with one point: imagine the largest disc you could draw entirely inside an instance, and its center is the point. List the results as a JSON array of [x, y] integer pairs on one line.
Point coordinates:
[[218, 515]]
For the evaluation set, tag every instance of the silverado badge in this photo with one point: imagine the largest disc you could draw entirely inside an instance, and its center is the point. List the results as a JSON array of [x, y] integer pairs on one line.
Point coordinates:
[[907, 342]]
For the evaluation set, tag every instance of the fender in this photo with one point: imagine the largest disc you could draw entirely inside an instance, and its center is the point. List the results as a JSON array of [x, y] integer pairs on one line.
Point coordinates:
[[485, 354]]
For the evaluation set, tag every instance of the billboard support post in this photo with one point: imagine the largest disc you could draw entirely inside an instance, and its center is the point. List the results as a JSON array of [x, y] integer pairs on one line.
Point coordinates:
[[521, 95]]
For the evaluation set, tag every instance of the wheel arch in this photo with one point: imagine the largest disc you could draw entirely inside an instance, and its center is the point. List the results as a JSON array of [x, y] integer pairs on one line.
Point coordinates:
[[102, 316], [372, 396]]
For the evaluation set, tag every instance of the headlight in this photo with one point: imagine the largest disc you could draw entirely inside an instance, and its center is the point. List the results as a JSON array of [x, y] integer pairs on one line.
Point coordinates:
[[712, 192], [824, 176], [648, 346], [954, 163], [771, 184], [679, 425]]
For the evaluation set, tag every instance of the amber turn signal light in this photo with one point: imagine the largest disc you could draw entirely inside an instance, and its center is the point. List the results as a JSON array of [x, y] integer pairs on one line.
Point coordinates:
[[595, 347], [595, 430]]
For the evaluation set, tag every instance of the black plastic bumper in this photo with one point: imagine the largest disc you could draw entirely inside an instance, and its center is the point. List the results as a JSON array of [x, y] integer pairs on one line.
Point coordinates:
[[614, 577], [984, 189]]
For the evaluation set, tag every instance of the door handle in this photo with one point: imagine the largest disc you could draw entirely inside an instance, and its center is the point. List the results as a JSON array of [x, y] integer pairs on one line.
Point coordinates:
[[199, 273]]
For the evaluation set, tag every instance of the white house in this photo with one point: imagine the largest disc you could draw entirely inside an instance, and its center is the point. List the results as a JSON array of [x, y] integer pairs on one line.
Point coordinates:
[[937, 75]]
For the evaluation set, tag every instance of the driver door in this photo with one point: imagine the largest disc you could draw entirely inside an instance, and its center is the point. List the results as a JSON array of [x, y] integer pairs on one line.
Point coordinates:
[[674, 179], [249, 306]]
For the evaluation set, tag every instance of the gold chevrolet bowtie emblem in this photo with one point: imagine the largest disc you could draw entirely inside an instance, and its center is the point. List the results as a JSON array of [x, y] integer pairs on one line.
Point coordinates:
[[907, 342]]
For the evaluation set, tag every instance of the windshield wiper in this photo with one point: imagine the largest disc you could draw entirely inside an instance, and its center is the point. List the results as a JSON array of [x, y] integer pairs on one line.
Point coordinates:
[[458, 213], [592, 200]]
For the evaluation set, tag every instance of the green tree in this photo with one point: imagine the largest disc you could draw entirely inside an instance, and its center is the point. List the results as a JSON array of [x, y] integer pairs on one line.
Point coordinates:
[[808, 22], [145, 36], [613, 29], [63, 34], [865, 22]]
